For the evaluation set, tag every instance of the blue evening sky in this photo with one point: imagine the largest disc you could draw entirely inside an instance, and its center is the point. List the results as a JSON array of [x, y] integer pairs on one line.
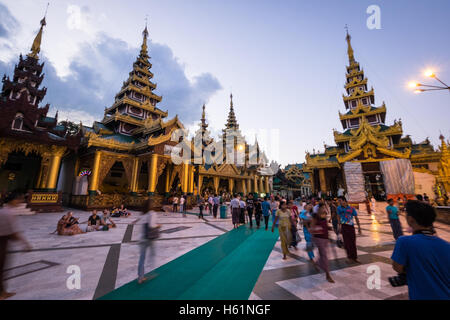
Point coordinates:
[[284, 61]]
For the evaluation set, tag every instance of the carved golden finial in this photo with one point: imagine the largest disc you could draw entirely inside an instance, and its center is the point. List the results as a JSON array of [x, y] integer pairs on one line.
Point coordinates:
[[144, 48], [36, 47], [351, 57]]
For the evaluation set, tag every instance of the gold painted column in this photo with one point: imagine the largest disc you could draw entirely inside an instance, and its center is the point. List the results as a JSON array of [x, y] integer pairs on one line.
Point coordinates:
[[244, 186], [185, 178], [152, 174], [216, 184], [231, 185], [200, 184], [261, 187], [134, 176], [249, 185], [267, 184], [168, 174], [54, 171], [191, 179], [255, 183], [323, 181], [93, 182]]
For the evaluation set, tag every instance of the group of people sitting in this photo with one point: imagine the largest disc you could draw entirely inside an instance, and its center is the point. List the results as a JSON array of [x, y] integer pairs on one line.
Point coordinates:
[[69, 225]]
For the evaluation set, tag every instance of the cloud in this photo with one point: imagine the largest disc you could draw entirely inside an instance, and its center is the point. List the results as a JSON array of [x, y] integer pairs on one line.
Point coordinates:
[[98, 70], [7, 22]]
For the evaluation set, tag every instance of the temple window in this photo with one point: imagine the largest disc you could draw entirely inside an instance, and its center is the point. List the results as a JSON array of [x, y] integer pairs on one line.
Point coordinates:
[[18, 122], [364, 101], [353, 104], [372, 119], [354, 122]]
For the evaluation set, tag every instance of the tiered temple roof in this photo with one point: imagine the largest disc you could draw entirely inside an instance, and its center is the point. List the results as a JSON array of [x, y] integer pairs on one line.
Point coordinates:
[[19, 103], [134, 122]]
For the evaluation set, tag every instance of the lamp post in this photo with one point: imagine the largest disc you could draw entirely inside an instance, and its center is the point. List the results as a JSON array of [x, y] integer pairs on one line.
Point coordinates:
[[420, 87]]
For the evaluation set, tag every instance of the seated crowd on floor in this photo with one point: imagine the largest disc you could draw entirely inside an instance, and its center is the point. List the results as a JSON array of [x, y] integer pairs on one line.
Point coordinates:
[[69, 225]]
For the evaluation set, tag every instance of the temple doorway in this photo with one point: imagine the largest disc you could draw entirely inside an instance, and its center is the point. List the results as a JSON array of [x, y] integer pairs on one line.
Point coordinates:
[[143, 177], [224, 186], [207, 185], [116, 180], [20, 172], [373, 180]]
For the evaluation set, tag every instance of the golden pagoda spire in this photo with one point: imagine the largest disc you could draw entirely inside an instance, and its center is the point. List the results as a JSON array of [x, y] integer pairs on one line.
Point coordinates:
[[351, 57], [36, 47], [144, 48]]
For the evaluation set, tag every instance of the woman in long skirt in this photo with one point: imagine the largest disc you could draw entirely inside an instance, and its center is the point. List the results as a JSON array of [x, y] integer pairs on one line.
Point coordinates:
[[282, 217], [319, 229]]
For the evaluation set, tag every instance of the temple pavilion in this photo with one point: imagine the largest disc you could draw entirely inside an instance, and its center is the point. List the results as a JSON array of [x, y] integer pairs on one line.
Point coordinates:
[[371, 157], [32, 144]]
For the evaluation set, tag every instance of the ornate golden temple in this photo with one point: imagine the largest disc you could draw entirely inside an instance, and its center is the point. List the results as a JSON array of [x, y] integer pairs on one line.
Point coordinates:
[[367, 140], [123, 159]]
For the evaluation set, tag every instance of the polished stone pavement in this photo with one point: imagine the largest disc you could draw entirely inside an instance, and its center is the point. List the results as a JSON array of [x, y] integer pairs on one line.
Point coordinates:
[[108, 260]]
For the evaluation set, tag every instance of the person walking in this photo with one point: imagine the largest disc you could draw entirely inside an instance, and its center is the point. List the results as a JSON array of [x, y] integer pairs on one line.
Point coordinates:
[[282, 218], [319, 229], [265, 206], [201, 205], [250, 209], [258, 212], [149, 234], [216, 203], [175, 204], [274, 206], [346, 215], [235, 211], [306, 217], [394, 220], [294, 221], [242, 212], [182, 205], [9, 232], [423, 258], [211, 205]]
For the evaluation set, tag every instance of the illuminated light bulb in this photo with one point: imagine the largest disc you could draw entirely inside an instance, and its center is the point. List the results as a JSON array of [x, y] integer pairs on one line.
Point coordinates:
[[413, 84], [429, 73]]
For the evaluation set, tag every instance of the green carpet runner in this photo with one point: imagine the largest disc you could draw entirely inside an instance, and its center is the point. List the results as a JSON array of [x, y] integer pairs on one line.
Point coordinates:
[[226, 267]]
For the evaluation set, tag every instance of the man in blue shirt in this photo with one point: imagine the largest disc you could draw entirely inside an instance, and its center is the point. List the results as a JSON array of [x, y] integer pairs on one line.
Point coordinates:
[[216, 202], [424, 257], [266, 211], [347, 227], [392, 212]]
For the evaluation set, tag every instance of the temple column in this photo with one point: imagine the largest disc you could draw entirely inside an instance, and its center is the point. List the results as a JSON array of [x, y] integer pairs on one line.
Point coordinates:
[[191, 179], [76, 167], [93, 182], [255, 184], [167, 186], [261, 187], [216, 184], [152, 174], [185, 178], [200, 184], [323, 181], [55, 163], [134, 176], [231, 185], [249, 185], [244, 186], [267, 184]]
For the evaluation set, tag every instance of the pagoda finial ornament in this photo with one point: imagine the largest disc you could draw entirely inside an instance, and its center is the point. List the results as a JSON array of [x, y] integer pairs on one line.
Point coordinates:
[[144, 48], [204, 125], [36, 47], [351, 57]]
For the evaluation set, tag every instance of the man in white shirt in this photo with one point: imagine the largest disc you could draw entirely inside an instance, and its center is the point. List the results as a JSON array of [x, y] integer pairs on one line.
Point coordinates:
[[9, 231], [150, 233], [235, 205], [182, 206], [175, 204]]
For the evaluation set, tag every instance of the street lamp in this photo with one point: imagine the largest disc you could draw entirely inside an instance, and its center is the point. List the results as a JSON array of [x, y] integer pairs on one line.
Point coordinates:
[[420, 87]]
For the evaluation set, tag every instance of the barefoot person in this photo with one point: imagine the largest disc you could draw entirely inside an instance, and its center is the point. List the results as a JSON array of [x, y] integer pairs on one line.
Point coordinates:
[[8, 232], [282, 217], [346, 214], [319, 229], [150, 233]]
